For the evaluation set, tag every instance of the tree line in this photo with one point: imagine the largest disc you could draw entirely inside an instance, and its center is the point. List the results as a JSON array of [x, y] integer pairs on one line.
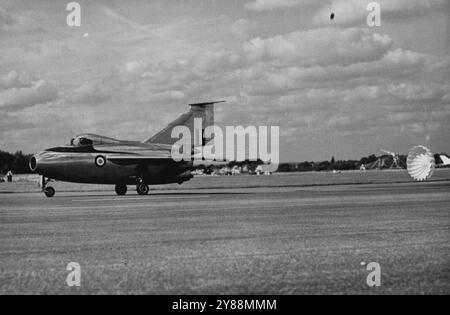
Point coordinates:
[[17, 162]]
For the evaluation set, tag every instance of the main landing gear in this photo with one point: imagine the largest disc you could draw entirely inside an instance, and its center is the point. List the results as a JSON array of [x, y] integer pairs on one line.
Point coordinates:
[[141, 188], [48, 191], [121, 190]]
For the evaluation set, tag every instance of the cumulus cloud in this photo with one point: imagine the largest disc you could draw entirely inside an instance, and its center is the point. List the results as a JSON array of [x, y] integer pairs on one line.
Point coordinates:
[[13, 79], [241, 28], [323, 46], [91, 93], [432, 92], [28, 22], [270, 5], [134, 67], [6, 19], [334, 86], [279, 80], [401, 96], [40, 92], [351, 12], [346, 80], [276, 81]]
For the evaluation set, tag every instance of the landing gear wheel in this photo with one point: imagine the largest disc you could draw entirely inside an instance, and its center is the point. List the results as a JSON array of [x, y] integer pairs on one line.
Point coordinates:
[[121, 190], [49, 192], [142, 189]]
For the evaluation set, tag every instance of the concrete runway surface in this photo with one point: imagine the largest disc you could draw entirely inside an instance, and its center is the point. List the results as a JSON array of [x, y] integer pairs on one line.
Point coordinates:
[[291, 240]]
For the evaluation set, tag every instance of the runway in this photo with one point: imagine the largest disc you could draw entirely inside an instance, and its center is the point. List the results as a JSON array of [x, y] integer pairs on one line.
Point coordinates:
[[285, 240]]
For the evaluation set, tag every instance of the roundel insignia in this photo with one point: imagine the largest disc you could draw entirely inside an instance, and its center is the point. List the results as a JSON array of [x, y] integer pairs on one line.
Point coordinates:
[[100, 161]]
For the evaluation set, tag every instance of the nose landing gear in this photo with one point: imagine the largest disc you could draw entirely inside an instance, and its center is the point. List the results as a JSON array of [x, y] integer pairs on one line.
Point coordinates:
[[48, 191]]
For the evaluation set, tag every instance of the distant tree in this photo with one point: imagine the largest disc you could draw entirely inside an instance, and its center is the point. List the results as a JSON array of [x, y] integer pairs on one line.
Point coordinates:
[[346, 165], [17, 163], [6, 161], [333, 160], [322, 166], [402, 161], [369, 159]]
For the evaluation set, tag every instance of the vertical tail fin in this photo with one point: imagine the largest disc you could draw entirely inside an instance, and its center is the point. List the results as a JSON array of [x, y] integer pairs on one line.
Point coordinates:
[[204, 111]]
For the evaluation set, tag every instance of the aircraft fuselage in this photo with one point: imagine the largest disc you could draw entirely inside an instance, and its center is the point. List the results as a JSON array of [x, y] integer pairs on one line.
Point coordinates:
[[95, 159], [95, 164]]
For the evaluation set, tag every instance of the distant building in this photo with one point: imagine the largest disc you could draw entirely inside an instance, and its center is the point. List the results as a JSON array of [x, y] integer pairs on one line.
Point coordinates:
[[264, 170], [198, 172], [236, 170]]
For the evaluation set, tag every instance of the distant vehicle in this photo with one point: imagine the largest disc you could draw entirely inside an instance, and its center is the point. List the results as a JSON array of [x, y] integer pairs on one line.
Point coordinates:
[[95, 159], [236, 170], [225, 171], [263, 170], [395, 158], [445, 160]]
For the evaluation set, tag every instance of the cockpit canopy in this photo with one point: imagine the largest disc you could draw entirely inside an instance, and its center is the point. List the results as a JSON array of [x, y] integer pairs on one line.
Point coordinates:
[[91, 139]]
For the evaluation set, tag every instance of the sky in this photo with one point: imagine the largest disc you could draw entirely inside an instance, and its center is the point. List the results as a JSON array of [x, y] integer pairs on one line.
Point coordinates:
[[334, 87]]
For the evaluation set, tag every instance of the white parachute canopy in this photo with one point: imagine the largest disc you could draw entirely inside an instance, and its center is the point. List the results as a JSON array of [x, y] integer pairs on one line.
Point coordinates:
[[420, 163]]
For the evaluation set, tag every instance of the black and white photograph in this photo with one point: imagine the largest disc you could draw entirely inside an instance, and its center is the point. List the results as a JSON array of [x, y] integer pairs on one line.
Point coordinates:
[[224, 155]]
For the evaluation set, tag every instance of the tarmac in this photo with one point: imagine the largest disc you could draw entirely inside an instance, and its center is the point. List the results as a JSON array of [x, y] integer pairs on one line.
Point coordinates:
[[262, 240]]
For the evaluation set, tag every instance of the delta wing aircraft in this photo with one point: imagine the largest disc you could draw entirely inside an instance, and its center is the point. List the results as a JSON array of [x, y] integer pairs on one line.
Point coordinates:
[[94, 159]]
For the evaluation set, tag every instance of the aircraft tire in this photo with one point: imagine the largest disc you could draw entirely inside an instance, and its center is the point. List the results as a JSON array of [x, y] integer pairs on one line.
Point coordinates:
[[121, 190], [49, 192], [142, 189]]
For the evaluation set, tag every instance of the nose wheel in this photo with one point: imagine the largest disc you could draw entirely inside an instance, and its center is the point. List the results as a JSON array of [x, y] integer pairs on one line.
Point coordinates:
[[48, 191]]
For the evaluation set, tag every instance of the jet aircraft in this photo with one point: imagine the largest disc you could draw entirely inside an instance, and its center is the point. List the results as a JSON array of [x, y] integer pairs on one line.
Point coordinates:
[[94, 159]]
